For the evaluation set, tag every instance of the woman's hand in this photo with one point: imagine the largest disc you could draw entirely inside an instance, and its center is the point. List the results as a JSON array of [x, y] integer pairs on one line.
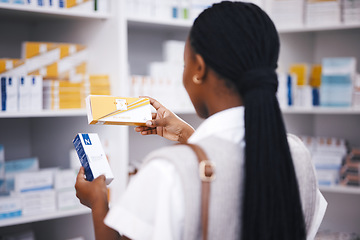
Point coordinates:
[[94, 195], [91, 194], [166, 124]]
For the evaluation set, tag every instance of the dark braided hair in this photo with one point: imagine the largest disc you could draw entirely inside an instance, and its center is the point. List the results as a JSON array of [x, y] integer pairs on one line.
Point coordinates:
[[240, 43]]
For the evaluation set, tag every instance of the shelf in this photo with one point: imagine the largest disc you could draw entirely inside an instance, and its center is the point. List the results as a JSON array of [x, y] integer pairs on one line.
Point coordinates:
[[46, 216], [186, 24], [321, 110], [340, 189], [340, 26], [45, 113], [141, 22], [23, 11]]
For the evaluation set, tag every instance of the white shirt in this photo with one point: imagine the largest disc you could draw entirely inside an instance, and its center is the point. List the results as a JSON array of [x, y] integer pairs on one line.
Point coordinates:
[[152, 207]]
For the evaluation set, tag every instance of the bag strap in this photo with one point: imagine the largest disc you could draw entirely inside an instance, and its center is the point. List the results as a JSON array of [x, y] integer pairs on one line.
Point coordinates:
[[207, 175]]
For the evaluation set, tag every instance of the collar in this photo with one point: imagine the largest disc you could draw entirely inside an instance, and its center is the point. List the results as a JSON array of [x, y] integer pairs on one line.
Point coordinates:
[[219, 125]]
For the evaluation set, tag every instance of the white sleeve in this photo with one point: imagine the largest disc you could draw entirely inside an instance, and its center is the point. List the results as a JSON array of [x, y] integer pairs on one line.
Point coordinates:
[[152, 206]]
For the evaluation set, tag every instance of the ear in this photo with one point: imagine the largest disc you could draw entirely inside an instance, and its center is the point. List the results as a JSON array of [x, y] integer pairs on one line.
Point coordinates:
[[201, 68]]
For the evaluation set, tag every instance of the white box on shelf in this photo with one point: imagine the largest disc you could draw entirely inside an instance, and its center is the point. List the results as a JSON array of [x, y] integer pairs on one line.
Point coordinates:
[[24, 100], [37, 202], [66, 199], [10, 206], [34, 181], [337, 81], [36, 92], [17, 166], [9, 93], [65, 179]]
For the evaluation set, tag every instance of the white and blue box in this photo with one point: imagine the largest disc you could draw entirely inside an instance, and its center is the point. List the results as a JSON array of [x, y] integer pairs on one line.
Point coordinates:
[[92, 156]]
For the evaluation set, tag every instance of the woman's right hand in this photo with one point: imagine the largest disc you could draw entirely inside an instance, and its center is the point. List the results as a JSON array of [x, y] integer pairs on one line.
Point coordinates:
[[166, 124]]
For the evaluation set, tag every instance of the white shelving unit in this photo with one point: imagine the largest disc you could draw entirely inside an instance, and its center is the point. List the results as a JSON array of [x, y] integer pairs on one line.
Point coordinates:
[[45, 216], [48, 134]]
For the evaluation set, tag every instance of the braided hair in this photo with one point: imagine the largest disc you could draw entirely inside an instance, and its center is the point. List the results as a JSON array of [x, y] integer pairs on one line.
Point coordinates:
[[241, 44]]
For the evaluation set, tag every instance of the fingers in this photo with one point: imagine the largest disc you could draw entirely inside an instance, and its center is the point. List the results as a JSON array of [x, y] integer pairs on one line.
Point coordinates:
[[81, 174], [155, 103], [162, 122], [146, 130]]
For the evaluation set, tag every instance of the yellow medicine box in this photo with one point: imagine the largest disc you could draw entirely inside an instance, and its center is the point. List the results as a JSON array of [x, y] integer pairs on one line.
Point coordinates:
[[110, 110]]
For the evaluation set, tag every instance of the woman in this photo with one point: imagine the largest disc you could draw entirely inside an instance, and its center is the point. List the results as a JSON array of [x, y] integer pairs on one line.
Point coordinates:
[[230, 60]]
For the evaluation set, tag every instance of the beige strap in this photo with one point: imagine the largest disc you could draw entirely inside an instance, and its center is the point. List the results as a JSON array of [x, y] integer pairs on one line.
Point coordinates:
[[207, 174]]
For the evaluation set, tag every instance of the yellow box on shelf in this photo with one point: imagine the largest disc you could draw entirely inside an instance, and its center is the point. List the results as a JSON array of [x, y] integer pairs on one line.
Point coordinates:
[[301, 72], [8, 63], [52, 58], [111, 110]]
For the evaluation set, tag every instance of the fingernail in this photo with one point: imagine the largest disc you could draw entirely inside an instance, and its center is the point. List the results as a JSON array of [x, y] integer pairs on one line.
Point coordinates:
[[149, 123]]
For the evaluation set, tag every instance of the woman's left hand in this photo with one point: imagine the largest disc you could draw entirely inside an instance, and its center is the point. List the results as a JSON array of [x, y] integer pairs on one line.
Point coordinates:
[[93, 193]]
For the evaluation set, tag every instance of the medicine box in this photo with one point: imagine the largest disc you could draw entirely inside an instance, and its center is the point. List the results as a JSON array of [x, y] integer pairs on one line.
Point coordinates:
[[34, 181], [92, 156], [10, 207], [17, 166], [110, 110]]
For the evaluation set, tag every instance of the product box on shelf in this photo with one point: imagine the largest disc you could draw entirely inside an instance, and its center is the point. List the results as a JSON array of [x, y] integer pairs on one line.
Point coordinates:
[[34, 181], [24, 97], [9, 93], [52, 60], [10, 206], [7, 64], [92, 156], [37, 202], [14, 167], [64, 185], [2, 169], [323, 12], [302, 91], [350, 171], [111, 110], [286, 13], [351, 11], [97, 84], [337, 82], [63, 94], [327, 154]]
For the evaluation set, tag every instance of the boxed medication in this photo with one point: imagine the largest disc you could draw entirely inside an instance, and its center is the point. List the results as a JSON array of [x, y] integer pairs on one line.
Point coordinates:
[[337, 81], [92, 156], [34, 181], [24, 98], [9, 94], [110, 110], [35, 202], [66, 199], [17, 166], [10, 207], [2, 169]]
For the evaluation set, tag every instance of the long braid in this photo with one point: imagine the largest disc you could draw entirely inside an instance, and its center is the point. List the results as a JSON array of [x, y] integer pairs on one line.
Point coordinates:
[[240, 42]]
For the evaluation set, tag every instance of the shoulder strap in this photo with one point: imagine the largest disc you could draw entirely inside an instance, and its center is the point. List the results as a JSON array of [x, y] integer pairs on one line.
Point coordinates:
[[207, 174]]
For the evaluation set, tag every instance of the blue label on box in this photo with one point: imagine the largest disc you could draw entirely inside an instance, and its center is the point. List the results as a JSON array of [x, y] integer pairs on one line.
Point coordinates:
[[86, 138], [10, 214]]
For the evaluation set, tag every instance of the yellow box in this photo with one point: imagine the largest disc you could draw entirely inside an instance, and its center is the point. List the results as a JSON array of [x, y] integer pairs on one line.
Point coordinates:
[[111, 110]]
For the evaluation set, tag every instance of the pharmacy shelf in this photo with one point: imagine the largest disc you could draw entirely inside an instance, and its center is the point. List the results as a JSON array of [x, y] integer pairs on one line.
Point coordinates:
[[134, 21], [45, 113], [46, 216], [158, 23], [340, 189], [322, 110], [23, 11], [318, 28]]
